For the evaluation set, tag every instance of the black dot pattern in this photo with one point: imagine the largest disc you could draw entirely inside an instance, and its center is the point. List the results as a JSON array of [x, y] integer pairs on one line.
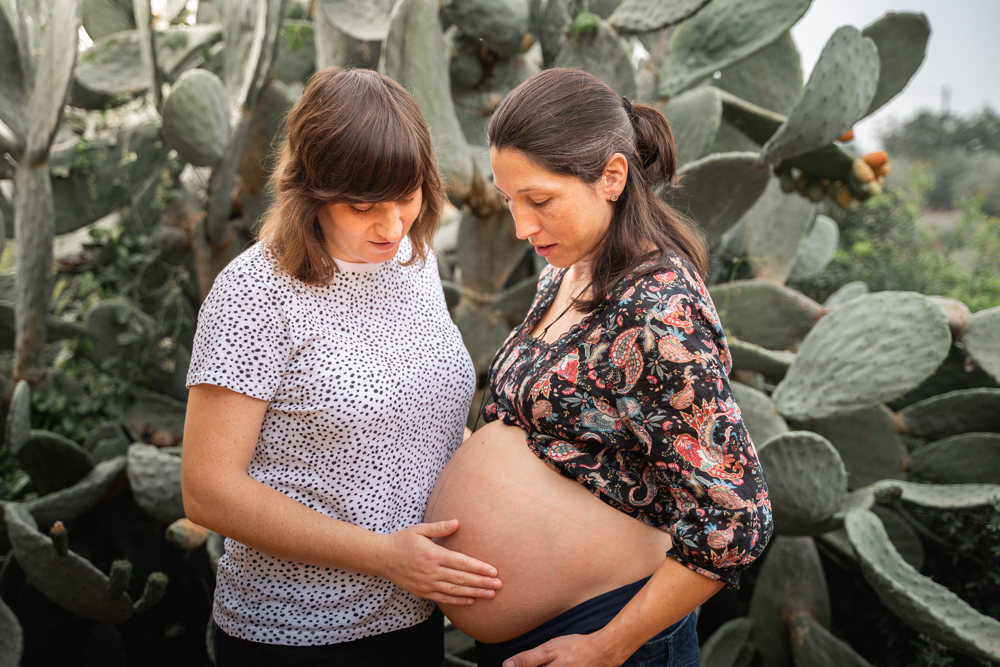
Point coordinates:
[[369, 387]]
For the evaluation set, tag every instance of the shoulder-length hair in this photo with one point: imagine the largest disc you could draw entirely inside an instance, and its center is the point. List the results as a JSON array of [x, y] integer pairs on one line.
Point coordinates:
[[356, 137], [571, 123]]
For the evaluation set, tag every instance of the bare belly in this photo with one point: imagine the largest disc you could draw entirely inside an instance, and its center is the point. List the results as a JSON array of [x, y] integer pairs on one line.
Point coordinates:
[[553, 543]]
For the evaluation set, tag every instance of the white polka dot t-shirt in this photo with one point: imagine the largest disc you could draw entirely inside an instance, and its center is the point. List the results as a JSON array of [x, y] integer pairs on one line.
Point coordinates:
[[369, 387]]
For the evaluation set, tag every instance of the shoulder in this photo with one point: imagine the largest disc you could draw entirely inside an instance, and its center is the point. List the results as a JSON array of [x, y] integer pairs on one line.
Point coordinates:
[[252, 280]]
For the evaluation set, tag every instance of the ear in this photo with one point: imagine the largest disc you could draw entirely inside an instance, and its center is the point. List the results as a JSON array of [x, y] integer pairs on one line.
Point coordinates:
[[615, 174]]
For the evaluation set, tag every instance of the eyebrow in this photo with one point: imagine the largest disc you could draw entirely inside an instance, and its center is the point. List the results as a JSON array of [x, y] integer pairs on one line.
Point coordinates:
[[522, 190]]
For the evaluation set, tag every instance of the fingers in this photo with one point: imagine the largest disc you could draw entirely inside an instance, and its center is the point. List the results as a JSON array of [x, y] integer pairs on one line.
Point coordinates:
[[437, 529], [533, 658], [464, 591], [449, 599], [459, 561]]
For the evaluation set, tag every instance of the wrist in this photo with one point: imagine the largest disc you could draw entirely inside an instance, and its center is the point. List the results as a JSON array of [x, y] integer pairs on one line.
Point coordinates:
[[380, 550], [612, 648]]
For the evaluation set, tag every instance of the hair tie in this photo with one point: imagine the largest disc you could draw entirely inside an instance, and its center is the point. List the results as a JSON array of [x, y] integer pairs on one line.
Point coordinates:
[[628, 109]]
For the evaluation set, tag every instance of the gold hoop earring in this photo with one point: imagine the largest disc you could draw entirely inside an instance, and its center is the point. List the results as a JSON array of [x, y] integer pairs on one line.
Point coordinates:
[[614, 197]]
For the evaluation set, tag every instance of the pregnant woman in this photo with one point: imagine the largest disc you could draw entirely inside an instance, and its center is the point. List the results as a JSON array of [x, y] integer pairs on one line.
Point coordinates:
[[328, 389], [615, 487]]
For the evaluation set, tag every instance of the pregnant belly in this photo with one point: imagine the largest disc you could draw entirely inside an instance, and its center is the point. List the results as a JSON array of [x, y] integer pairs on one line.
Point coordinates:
[[554, 544]]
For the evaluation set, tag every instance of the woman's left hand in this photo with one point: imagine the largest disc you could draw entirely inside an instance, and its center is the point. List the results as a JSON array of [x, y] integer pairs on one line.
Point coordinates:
[[566, 651]]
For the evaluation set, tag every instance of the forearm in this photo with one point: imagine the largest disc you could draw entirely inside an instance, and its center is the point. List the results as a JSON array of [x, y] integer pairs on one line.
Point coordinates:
[[261, 517], [673, 592]]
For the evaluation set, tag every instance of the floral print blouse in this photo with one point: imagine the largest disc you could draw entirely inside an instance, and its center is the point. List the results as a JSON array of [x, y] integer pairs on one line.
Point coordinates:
[[634, 403]]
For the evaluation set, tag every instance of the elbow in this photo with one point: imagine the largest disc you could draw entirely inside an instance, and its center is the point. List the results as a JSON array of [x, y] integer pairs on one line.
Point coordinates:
[[200, 506]]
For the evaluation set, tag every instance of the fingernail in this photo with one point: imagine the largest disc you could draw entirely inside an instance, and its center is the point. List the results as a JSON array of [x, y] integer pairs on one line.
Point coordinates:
[[508, 663]]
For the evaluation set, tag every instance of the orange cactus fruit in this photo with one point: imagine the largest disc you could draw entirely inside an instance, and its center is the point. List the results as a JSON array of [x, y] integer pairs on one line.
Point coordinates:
[[862, 171], [186, 534], [876, 159], [883, 171], [841, 194], [847, 136]]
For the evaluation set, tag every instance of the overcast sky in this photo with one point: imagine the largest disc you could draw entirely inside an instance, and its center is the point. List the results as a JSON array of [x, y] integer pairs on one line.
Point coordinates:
[[963, 53]]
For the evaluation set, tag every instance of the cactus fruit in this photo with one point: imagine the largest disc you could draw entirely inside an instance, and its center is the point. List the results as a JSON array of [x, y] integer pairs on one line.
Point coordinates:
[[722, 34], [729, 646], [816, 250], [846, 136], [155, 479], [806, 481], [867, 442], [186, 534], [845, 364], [156, 588], [957, 312], [901, 38], [775, 227], [814, 121], [982, 340], [815, 646], [196, 118], [70, 581], [791, 581], [925, 605], [761, 419], [119, 578], [694, 117], [969, 458], [846, 292], [415, 55], [718, 189], [945, 415], [11, 638], [772, 364], [769, 315], [601, 53], [60, 538], [649, 15]]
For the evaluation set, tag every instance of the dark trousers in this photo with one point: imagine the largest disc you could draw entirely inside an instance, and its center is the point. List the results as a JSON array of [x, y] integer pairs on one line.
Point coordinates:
[[419, 646]]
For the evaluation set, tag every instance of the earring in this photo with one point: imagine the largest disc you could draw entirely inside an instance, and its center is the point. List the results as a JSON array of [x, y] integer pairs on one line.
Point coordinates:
[[614, 197]]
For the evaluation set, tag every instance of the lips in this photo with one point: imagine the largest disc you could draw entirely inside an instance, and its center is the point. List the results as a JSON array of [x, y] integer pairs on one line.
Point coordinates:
[[545, 250], [387, 245]]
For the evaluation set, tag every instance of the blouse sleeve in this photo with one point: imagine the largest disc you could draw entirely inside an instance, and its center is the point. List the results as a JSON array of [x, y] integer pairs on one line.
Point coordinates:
[[674, 396], [242, 340]]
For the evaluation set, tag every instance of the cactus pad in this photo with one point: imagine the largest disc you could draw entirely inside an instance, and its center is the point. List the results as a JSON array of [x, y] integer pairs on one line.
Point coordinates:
[[694, 118], [970, 458], [11, 635], [250, 30], [19, 417], [775, 227], [867, 442], [13, 93], [806, 481], [729, 646], [928, 607], [103, 17], [722, 34], [848, 64], [69, 503], [364, 20], [901, 38], [931, 496], [865, 352], [848, 291], [415, 55], [945, 415], [196, 118], [718, 189], [791, 581], [902, 535], [499, 25], [761, 419], [771, 78], [155, 479], [769, 315], [649, 15], [815, 646], [70, 581], [772, 364], [757, 123], [601, 53], [982, 340], [53, 461], [816, 250]]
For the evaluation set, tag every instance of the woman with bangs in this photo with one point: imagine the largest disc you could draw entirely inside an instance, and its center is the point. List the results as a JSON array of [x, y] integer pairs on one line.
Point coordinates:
[[328, 389]]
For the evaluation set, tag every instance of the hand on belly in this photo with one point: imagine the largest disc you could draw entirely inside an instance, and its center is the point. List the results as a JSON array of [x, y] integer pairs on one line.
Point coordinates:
[[553, 543]]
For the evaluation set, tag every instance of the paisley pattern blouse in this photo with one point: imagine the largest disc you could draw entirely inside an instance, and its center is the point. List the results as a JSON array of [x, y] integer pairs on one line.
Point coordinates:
[[634, 403]]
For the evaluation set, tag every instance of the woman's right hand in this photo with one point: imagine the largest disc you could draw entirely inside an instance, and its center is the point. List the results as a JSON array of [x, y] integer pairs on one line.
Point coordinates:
[[411, 560]]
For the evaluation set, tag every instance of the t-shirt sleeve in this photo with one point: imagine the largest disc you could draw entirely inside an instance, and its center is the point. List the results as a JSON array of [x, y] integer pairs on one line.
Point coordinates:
[[242, 340]]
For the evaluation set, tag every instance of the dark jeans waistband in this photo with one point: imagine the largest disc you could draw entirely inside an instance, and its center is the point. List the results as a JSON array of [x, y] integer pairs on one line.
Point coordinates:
[[583, 619]]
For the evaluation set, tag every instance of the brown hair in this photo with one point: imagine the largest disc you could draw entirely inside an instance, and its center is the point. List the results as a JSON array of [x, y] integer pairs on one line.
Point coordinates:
[[571, 123], [357, 137]]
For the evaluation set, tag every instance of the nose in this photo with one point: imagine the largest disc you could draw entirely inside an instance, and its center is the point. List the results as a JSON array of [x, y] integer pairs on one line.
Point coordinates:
[[525, 224], [390, 225]]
